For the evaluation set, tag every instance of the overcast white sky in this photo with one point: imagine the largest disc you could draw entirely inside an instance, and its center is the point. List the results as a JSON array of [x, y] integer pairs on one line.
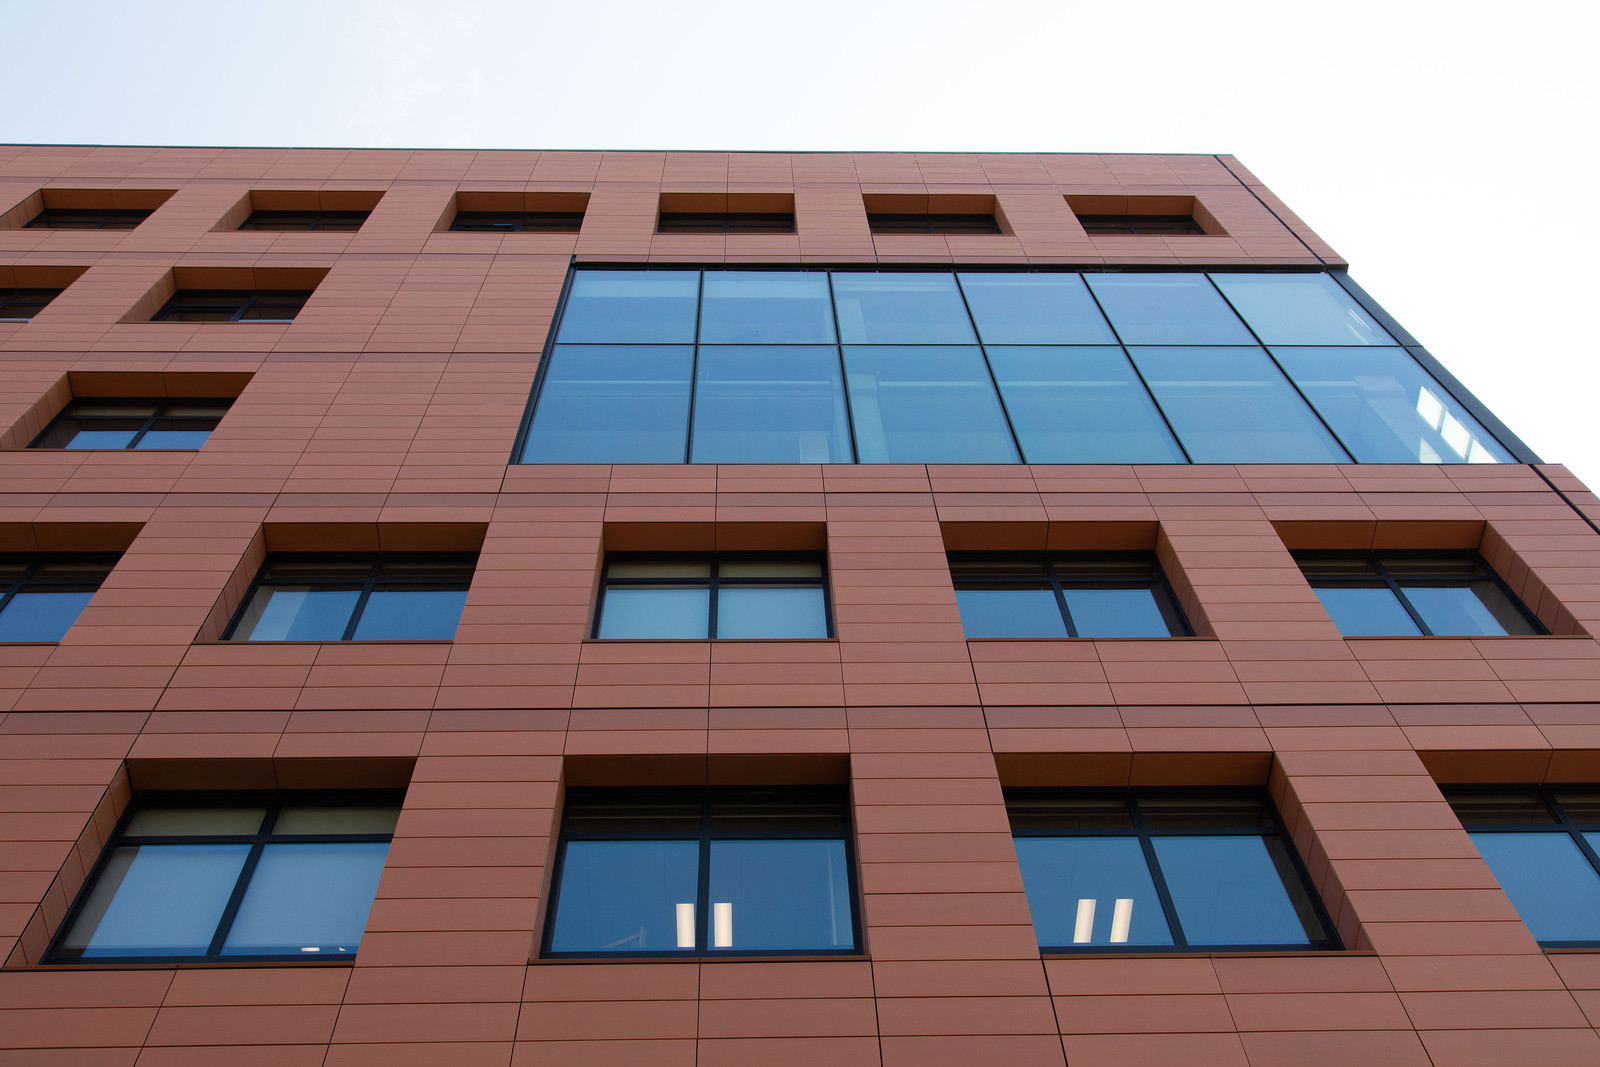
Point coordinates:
[[1448, 150]]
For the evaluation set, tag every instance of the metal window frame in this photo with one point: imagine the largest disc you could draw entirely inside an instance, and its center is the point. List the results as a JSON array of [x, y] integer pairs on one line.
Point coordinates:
[[712, 584], [162, 406], [109, 217], [1397, 586], [32, 561], [376, 561], [1158, 584], [21, 297], [246, 300], [316, 220]]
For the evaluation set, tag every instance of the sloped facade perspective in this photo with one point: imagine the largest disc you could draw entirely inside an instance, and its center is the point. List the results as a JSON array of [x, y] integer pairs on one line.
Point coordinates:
[[519, 607]]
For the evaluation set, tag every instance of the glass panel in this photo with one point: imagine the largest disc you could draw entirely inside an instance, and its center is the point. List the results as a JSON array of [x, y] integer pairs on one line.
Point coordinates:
[[1231, 890], [1117, 613], [771, 611], [337, 819], [111, 409], [1232, 405], [1434, 566], [1091, 891], [612, 404], [1580, 807], [643, 812], [658, 569], [1068, 813], [157, 900], [307, 899], [765, 307], [173, 439], [203, 314], [297, 613], [34, 616], [780, 895], [270, 312], [152, 821], [1386, 408], [900, 309], [1075, 567], [622, 306], [770, 568], [1167, 309], [1034, 309], [754, 812], [318, 569], [926, 405], [1212, 813], [1478, 608], [770, 405], [1081, 405], [1550, 882], [91, 438], [1366, 611], [1505, 808], [656, 612], [1345, 566], [405, 614], [1300, 309], [1010, 612], [626, 896]]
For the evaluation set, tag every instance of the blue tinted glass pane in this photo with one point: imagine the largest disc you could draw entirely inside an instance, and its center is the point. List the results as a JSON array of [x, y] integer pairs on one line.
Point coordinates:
[[626, 896], [900, 309], [1228, 891], [637, 306], [1091, 891], [1233, 405], [770, 405], [925, 405], [1167, 309], [1466, 610], [1300, 309], [765, 307], [780, 895], [612, 404], [1366, 612], [1081, 405], [101, 439], [42, 616], [297, 613], [411, 615], [1386, 408], [660, 612], [307, 899], [173, 439], [1115, 613], [770, 612], [1550, 882], [158, 900], [1010, 613], [1034, 309]]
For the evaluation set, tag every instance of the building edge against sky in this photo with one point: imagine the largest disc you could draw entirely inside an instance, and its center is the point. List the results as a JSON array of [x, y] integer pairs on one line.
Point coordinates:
[[924, 739]]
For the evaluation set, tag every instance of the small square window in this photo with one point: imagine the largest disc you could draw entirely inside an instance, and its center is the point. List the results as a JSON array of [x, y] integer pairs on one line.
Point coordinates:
[[389, 597], [21, 305], [1162, 871], [233, 877], [41, 596], [55, 218], [1412, 594], [233, 305], [289, 221], [725, 222], [728, 595], [1079, 594], [146, 425], [704, 873]]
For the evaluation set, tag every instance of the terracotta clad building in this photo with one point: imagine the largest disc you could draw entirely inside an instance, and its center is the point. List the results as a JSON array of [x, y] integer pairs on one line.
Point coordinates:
[[704, 608]]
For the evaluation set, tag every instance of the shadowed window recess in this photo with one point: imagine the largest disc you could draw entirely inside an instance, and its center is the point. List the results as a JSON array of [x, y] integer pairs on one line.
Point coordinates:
[[1076, 594], [725, 222], [21, 305], [388, 597], [1140, 226], [235, 877], [233, 305], [729, 595], [891, 223], [56, 218], [1162, 871], [292, 221], [1413, 594], [41, 596], [133, 424], [719, 872], [517, 221]]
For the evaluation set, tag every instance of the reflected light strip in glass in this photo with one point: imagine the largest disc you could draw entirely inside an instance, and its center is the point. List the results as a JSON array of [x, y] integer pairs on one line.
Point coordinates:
[[686, 925], [1083, 932], [722, 925], [1121, 920]]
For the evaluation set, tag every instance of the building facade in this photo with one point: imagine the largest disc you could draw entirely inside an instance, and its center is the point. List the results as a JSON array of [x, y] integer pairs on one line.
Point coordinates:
[[703, 608]]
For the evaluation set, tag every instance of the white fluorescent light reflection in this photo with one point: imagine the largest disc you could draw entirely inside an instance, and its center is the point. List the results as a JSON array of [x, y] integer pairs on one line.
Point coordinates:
[[722, 926], [1121, 919], [303, 949], [1083, 933], [686, 926]]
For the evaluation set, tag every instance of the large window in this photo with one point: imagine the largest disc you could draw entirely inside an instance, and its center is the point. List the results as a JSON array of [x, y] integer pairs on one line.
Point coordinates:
[[1543, 846], [1080, 594], [1162, 871], [392, 597], [41, 596], [908, 366], [725, 872], [735, 595], [1412, 594], [233, 877], [137, 424]]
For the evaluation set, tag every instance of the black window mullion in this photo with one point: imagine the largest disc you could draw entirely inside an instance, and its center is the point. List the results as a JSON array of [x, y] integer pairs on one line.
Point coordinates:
[[1061, 597], [1137, 373], [1399, 594], [1163, 893], [361, 601], [246, 872], [844, 377], [713, 590], [694, 365], [702, 907], [149, 423], [1571, 827], [18, 583], [994, 383]]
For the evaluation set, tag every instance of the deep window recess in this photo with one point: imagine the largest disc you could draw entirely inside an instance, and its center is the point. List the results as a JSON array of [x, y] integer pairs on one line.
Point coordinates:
[[288, 221], [233, 305], [1543, 846], [730, 595], [20, 305], [1079, 594], [886, 223], [1140, 225], [1411, 594], [1162, 870], [233, 877], [389, 597], [56, 218], [137, 424], [41, 596], [725, 222], [517, 221], [719, 873]]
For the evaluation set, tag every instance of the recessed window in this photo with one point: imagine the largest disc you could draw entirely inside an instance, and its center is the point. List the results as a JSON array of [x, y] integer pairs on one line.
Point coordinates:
[[137, 424], [730, 595], [56, 218], [1407, 595], [1161, 871], [1543, 846], [389, 597], [20, 305], [517, 221], [233, 305], [41, 596], [726, 872], [290, 221], [1080, 594], [1140, 225], [233, 877], [885, 223], [725, 222]]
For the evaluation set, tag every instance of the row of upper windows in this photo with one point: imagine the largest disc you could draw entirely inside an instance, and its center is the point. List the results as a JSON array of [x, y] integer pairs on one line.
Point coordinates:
[[306, 597]]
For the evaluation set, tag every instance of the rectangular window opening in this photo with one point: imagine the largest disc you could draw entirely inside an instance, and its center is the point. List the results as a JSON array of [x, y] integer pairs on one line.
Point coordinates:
[[355, 597], [42, 595], [1411, 594], [1076, 594], [702, 596]]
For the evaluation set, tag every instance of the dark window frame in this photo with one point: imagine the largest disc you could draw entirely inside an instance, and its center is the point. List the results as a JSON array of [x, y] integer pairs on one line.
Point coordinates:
[[1167, 602], [189, 301], [1376, 558], [329, 221], [274, 802], [1141, 225], [703, 918], [725, 222], [1144, 834], [20, 297], [891, 223], [161, 405], [32, 561], [517, 222], [374, 576], [110, 218], [714, 559]]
